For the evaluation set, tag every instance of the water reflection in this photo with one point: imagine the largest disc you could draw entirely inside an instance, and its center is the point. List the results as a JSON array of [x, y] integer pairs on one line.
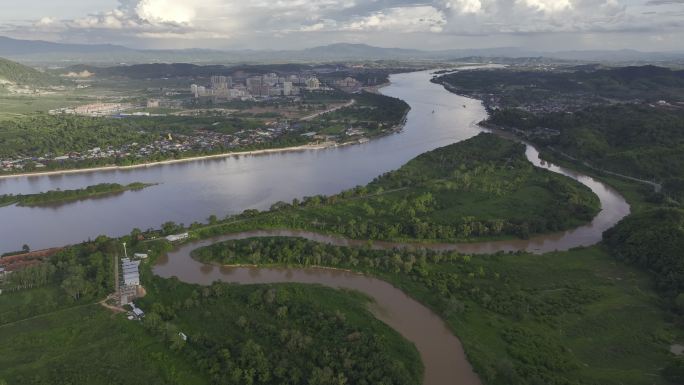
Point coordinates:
[[192, 191]]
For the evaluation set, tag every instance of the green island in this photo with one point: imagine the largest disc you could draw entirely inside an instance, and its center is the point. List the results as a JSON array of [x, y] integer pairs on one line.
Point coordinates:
[[560, 318], [65, 196], [482, 188]]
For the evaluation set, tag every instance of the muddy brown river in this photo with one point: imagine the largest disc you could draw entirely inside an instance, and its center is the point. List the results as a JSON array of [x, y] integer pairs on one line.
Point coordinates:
[[192, 191], [441, 352]]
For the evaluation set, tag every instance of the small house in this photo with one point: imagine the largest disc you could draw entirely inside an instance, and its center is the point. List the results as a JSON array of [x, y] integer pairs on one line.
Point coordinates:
[[138, 313]]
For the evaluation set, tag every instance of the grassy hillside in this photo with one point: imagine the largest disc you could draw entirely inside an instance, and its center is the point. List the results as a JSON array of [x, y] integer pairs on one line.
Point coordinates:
[[20, 74]]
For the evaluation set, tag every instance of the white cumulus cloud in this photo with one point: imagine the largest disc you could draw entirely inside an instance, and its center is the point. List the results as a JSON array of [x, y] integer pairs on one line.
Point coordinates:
[[166, 11], [400, 19], [547, 5]]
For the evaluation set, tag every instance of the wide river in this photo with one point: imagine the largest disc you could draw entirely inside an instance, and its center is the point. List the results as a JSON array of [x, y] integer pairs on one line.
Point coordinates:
[[192, 191]]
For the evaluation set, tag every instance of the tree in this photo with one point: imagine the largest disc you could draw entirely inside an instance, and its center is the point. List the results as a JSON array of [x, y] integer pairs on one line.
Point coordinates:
[[74, 284], [25, 248], [212, 219]]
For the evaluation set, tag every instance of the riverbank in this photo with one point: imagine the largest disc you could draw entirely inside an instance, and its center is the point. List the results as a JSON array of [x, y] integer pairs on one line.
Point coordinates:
[[55, 197], [506, 309], [305, 147]]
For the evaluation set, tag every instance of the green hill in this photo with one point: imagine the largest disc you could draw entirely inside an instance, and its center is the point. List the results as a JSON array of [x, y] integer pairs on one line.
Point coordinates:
[[20, 74]]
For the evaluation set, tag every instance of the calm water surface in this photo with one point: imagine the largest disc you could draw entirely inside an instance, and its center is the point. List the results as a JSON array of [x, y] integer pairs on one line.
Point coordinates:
[[194, 190], [441, 352]]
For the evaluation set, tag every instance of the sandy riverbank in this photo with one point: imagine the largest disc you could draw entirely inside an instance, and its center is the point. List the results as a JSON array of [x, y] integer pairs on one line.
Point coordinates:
[[321, 146], [170, 161]]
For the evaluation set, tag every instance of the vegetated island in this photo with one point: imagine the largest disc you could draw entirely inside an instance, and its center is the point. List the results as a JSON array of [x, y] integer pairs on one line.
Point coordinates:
[[65, 196], [481, 188]]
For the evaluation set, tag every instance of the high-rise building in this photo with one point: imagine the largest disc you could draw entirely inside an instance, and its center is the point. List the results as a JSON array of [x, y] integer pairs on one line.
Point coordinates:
[[270, 79], [254, 85], [287, 88], [313, 83], [221, 82]]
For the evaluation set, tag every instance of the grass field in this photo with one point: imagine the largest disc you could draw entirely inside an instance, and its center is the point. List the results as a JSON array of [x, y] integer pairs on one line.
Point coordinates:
[[84, 344], [581, 308], [12, 107]]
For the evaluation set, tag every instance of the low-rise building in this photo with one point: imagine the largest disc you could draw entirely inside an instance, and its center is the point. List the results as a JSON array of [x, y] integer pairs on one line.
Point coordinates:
[[177, 237]]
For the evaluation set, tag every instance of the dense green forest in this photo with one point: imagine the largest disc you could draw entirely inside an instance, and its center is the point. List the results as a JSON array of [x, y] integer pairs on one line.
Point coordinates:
[[372, 109], [637, 140], [571, 86], [279, 334], [559, 318], [482, 187], [63, 196], [372, 113], [26, 76], [257, 334], [643, 137], [39, 134], [654, 241]]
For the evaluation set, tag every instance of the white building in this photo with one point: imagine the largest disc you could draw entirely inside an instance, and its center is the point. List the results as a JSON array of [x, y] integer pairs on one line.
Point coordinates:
[[313, 83], [137, 312], [130, 271], [287, 88], [177, 237]]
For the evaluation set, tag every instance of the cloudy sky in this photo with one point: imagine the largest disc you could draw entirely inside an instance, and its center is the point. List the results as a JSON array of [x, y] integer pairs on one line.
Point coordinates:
[[648, 25]]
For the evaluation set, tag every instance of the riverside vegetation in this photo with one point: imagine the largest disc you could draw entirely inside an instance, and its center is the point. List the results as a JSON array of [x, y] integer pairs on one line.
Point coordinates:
[[263, 334], [65, 196], [636, 130], [560, 318], [480, 188]]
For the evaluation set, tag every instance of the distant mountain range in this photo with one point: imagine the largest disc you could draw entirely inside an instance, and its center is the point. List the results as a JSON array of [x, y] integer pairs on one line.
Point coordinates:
[[43, 52]]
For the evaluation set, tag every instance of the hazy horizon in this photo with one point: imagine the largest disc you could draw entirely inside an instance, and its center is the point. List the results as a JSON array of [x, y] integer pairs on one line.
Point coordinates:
[[551, 25]]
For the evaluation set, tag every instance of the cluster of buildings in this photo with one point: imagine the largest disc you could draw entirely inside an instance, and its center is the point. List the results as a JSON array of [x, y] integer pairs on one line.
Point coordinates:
[[199, 141], [348, 84], [94, 109], [118, 109], [268, 85], [177, 237]]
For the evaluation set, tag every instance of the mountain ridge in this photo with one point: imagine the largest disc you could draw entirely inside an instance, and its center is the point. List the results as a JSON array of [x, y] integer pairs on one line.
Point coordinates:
[[39, 51]]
